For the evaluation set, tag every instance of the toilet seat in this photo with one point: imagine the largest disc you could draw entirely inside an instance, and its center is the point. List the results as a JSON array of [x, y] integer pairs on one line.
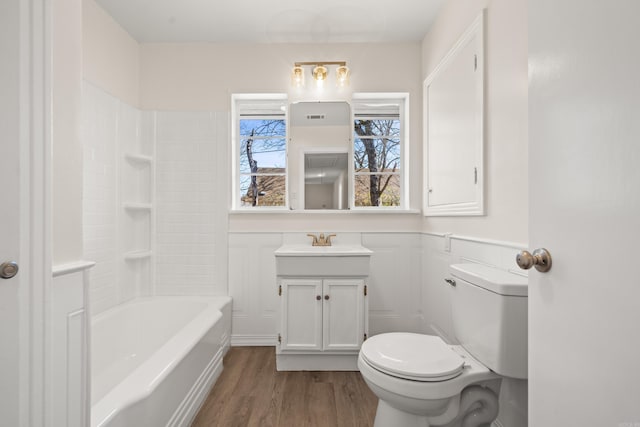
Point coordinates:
[[411, 356]]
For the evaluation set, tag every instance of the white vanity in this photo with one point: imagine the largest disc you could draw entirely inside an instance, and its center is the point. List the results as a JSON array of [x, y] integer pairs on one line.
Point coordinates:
[[323, 309]]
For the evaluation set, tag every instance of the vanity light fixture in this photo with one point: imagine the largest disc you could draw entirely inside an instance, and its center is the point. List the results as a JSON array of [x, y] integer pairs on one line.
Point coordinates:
[[320, 72]]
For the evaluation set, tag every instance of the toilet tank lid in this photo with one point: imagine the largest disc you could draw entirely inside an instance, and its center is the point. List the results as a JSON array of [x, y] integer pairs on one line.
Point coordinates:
[[491, 278]]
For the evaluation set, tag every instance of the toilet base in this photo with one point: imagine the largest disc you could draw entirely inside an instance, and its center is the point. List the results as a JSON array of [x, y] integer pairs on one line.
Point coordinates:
[[388, 416], [476, 406]]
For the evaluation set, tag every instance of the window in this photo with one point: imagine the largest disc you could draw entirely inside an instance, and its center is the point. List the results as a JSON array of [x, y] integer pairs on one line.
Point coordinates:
[[379, 151], [260, 151]]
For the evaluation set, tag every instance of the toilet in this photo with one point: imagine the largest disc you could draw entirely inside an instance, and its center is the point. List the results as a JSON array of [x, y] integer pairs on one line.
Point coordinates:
[[420, 380]]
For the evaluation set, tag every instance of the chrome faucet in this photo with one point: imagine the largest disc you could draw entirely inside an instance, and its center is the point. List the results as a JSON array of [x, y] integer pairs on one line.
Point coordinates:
[[321, 240]]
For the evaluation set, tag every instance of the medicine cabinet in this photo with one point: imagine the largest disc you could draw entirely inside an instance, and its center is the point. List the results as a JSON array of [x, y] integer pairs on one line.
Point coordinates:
[[454, 129]]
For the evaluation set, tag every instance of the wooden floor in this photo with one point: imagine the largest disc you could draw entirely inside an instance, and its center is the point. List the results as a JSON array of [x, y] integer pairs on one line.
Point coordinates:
[[250, 392]]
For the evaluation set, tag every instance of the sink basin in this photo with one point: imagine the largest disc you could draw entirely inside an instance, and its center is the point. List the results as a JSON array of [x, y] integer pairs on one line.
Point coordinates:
[[323, 261], [336, 250]]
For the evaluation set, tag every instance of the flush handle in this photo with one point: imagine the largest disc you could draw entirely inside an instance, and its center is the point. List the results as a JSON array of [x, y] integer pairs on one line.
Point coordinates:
[[8, 269], [540, 259], [451, 282]]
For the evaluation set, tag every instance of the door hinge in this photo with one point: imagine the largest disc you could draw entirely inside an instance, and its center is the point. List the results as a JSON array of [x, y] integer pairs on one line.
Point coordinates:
[[280, 290], [365, 290], [279, 339], [365, 337], [475, 175], [475, 62]]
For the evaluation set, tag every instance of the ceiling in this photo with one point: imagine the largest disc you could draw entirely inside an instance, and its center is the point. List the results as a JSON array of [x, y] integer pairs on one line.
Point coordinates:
[[274, 21]]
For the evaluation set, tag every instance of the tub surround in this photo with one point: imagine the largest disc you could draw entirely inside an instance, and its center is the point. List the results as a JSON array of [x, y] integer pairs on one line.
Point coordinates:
[[152, 186]]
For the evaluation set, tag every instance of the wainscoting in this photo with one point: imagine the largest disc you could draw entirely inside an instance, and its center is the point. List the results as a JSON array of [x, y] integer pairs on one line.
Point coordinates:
[[406, 289], [69, 346], [394, 284], [406, 282]]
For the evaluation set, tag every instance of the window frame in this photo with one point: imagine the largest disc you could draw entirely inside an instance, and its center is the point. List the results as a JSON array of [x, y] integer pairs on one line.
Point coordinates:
[[402, 99], [237, 100]]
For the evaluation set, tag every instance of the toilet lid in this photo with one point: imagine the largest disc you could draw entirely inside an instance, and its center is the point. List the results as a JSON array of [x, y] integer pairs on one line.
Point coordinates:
[[412, 356]]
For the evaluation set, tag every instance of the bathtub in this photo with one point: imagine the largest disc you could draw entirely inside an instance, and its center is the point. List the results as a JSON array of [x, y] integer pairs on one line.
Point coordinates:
[[153, 360]]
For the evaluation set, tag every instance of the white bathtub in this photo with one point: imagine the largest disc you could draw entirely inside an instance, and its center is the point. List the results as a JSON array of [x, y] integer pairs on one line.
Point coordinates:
[[153, 360]]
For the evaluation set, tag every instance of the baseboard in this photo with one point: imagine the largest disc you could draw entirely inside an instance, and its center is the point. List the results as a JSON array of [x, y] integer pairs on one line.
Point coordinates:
[[316, 362], [253, 340]]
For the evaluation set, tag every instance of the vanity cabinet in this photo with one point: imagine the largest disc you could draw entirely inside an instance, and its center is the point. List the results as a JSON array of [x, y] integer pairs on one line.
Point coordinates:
[[323, 307], [322, 314]]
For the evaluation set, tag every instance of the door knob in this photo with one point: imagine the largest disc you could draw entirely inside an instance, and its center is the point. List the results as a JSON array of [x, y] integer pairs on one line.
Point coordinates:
[[8, 269], [541, 259]]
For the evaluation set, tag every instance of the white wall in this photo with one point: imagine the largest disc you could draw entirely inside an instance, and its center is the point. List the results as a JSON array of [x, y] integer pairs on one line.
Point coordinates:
[[66, 124], [110, 54], [201, 77], [506, 145]]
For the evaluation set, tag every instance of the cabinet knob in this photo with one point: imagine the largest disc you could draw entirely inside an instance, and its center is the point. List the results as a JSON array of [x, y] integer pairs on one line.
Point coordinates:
[[326, 297], [318, 297]]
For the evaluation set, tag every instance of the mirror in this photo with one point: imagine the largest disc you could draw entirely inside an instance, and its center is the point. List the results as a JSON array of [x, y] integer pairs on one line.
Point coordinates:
[[320, 135], [325, 180]]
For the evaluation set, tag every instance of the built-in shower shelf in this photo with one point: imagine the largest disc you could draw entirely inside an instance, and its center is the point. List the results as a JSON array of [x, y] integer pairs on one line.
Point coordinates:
[[137, 206], [138, 158], [136, 255]]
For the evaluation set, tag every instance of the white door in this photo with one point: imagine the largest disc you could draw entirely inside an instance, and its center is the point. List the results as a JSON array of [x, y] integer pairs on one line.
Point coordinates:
[[343, 314], [584, 150], [301, 314], [24, 126], [10, 384]]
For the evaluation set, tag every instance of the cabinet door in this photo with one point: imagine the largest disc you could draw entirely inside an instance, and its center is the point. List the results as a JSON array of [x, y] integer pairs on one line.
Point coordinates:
[[343, 314], [301, 314]]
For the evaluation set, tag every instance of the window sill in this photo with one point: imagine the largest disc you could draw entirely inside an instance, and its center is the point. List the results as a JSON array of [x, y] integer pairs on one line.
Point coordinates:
[[324, 211]]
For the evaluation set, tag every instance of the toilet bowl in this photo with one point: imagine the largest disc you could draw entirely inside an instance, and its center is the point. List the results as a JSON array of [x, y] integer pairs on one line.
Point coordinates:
[[425, 391], [422, 381]]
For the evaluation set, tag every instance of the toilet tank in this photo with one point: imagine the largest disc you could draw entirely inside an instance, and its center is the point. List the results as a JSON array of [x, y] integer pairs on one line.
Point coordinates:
[[489, 308]]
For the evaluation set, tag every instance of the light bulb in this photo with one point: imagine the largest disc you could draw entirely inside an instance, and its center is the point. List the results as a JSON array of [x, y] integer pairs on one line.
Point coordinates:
[[342, 75], [297, 76], [320, 72]]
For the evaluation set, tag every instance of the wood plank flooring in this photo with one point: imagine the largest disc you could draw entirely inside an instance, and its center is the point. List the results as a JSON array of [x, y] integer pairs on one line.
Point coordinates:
[[250, 392]]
